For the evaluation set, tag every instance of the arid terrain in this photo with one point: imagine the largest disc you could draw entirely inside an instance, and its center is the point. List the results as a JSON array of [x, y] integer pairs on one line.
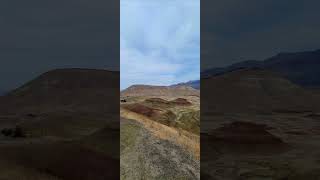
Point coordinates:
[[257, 125], [62, 125], [160, 129]]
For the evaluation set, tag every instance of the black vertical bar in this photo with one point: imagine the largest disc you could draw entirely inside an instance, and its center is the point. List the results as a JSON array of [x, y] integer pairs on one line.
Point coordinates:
[[59, 89]]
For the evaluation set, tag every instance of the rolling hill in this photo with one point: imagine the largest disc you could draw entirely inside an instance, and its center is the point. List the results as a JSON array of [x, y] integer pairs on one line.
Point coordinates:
[[62, 114], [65, 87], [168, 91], [257, 124], [255, 90]]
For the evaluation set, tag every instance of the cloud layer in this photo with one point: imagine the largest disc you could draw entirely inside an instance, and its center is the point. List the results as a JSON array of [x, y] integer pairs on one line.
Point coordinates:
[[233, 30], [41, 35], [160, 41]]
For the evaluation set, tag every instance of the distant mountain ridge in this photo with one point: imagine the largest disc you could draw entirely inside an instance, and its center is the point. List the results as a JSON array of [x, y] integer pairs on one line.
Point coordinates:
[[148, 90], [302, 68], [195, 84]]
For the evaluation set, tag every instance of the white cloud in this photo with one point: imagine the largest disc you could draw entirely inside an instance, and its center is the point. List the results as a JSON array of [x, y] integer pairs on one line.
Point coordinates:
[[160, 41]]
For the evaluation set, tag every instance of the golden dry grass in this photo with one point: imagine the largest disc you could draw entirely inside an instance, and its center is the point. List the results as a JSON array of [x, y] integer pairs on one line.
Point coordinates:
[[185, 139]]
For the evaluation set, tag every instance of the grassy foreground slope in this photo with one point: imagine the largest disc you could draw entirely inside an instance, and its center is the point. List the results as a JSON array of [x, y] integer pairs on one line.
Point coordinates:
[[160, 134]]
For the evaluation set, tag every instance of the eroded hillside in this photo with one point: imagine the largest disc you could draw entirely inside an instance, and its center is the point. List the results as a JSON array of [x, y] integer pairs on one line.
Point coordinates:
[[160, 134]]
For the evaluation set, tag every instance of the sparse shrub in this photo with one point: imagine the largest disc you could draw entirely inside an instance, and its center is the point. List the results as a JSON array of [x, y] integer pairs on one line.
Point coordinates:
[[16, 132], [31, 115], [7, 132]]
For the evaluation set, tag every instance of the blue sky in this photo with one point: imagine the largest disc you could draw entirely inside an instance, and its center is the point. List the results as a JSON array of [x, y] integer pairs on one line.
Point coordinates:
[[160, 41]]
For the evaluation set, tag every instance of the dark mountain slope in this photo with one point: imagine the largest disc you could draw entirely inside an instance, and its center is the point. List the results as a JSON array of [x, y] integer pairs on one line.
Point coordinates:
[[194, 84], [302, 68]]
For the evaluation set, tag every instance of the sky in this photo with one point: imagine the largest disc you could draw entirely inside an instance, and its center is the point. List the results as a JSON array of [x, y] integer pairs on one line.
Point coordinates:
[[233, 30], [40, 35], [159, 41]]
